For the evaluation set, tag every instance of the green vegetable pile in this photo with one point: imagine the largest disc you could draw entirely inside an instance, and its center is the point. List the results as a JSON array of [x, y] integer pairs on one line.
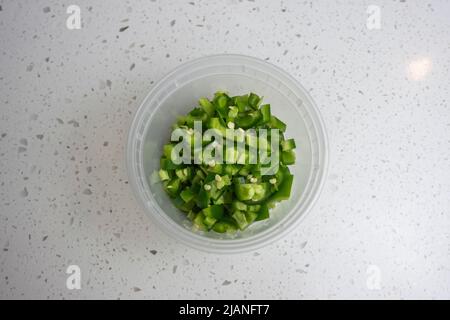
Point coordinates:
[[228, 197]]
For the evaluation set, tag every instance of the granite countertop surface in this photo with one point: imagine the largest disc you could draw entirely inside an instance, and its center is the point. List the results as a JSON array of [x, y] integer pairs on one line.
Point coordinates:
[[378, 71]]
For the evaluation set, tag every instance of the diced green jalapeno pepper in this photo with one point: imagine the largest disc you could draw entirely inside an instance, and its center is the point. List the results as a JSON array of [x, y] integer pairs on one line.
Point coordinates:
[[173, 187], [288, 157], [277, 124], [187, 195], [214, 211], [203, 198], [253, 100], [225, 226], [207, 106], [163, 175], [263, 213], [250, 216], [284, 190], [287, 145], [247, 120], [241, 220], [265, 113], [230, 196]]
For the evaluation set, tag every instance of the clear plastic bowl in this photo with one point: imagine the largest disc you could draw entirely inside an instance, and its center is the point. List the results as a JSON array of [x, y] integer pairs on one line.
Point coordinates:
[[176, 94]]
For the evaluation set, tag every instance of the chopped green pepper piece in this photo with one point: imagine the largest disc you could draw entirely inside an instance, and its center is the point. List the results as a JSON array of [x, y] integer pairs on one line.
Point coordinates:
[[191, 215], [240, 219], [196, 114], [284, 191], [183, 174], [265, 113], [250, 216], [222, 101], [288, 157], [207, 106], [167, 150], [244, 191], [287, 145], [184, 206], [214, 211], [215, 123], [163, 175], [173, 186], [253, 100], [187, 195], [199, 221], [237, 205], [241, 102], [203, 198], [232, 169], [224, 226], [233, 112], [254, 208], [167, 164], [277, 124], [247, 120], [263, 213]]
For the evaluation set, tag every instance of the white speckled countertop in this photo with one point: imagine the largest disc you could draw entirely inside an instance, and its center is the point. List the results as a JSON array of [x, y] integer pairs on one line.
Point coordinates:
[[381, 226]]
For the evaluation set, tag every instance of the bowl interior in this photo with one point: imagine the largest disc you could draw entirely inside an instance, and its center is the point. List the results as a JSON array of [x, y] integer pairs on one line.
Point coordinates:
[[181, 94]]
